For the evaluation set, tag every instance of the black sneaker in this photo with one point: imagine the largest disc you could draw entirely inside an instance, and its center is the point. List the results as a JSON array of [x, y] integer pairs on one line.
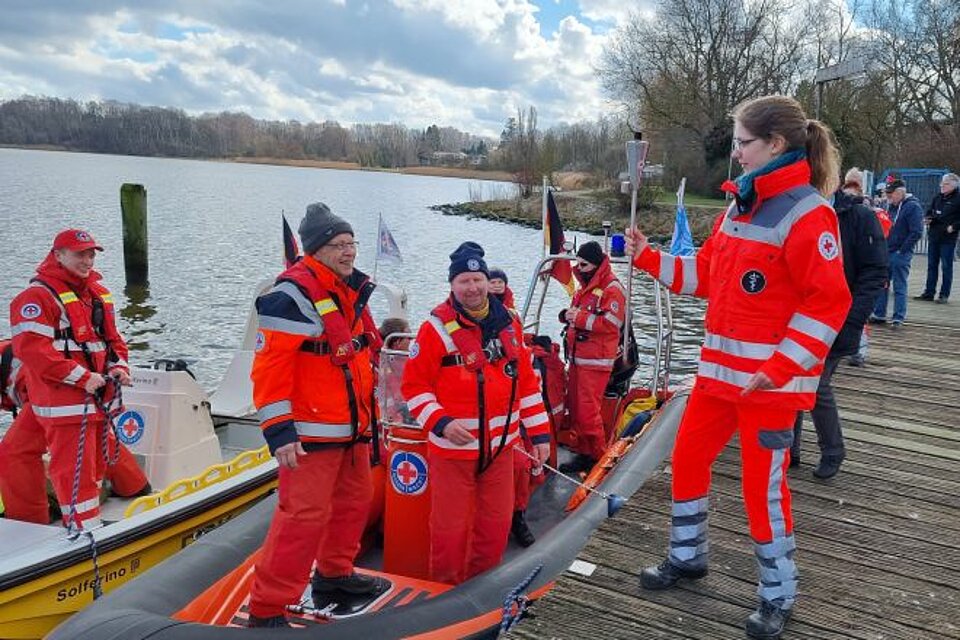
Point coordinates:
[[828, 467], [355, 583], [924, 296], [942, 300], [767, 622], [521, 531], [876, 319], [580, 463], [794, 460], [857, 360], [273, 622], [667, 574]]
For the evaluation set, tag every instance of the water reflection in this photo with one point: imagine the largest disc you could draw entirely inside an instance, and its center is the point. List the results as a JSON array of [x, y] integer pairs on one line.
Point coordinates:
[[137, 312]]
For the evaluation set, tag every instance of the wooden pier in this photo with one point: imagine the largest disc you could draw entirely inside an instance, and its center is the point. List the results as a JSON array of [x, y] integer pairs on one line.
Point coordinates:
[[878, 546]]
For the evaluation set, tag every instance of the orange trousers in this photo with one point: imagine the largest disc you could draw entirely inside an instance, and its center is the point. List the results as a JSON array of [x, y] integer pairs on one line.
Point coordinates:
[[585, 389], [469, 516], [321, 516], [22, 479]]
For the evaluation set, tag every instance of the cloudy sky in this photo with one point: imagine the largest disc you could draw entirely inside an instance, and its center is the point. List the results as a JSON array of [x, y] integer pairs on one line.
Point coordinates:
[[462, 63]]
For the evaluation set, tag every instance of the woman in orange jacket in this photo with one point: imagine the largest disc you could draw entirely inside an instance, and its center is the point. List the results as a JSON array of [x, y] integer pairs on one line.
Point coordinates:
[[772, 273]]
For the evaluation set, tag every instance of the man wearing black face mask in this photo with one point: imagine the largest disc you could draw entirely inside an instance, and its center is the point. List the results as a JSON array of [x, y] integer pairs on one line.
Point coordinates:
[[594, 320]]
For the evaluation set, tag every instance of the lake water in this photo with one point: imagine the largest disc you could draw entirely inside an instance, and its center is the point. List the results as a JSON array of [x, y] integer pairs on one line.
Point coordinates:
[[215, 232]]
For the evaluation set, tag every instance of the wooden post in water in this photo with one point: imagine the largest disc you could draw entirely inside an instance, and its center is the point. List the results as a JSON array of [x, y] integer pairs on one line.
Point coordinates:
[[133, 204]]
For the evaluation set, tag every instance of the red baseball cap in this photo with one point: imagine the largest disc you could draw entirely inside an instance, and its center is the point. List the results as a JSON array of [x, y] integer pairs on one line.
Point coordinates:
[[75, 240]]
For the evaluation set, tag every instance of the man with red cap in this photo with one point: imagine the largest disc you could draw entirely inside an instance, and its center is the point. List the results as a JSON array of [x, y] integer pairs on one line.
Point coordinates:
[[594, 321], [470, 382], [22, 476], [65, 335], [313, 389]]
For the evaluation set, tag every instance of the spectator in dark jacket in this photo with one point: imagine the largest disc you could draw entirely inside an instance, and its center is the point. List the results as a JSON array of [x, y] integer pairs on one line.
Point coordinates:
[[865, 268], [943, 220], [907, 216]]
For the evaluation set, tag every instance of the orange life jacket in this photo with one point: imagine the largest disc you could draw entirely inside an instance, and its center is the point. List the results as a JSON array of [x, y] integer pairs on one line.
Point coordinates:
[[312, 374]]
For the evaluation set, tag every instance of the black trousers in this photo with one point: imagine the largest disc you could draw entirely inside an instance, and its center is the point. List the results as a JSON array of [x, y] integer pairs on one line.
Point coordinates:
[[826, 419]]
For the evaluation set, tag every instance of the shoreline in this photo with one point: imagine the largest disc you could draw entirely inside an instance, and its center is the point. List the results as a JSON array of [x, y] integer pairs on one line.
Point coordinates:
[[466, 173], [585, 212]]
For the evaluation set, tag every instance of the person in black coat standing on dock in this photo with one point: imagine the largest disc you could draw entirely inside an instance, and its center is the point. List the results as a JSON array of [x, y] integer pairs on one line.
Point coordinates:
[[865, 267]]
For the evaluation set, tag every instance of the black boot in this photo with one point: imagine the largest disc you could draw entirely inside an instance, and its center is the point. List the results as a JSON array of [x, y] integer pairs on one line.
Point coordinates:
[[580, 463], [767, 622], [667, 574], [355, 583], [828, 467], [273, 622], [521, 532]]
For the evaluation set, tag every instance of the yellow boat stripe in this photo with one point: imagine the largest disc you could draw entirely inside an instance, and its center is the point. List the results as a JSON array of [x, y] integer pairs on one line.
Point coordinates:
[[451, 326], [68, 297], [107, 298]]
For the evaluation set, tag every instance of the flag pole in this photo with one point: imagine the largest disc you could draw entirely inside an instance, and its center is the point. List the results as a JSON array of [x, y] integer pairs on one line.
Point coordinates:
[[636, 158], [543, 217], [376, 253]]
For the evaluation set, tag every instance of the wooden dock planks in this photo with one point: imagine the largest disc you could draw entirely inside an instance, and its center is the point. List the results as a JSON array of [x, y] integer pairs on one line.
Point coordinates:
[[878, 546]]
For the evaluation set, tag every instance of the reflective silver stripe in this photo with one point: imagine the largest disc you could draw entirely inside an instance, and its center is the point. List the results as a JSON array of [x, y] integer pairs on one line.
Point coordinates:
[[473, 445], [558, 409], [530, 401], [323, 430], [427, 412], [798, 353], [666, 268], [442, 332], [64, 411], [798, 384], [85, 505], [616, 284], [689, 274], [120, 363], [536, 420], [493, 423], [778, 525], [75, 374], [594, 362], [776, 235], [34, 327], [739, 348], [91, 523], [274, 410], [613, 319], [690, 507], [813, 328], [289, 326], [778, 571], [591, 318], [414, 402], [306, 306], [93, 347]]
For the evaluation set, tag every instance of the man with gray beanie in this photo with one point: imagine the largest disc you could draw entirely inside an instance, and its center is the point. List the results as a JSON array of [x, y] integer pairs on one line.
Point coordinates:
[[313, 389]]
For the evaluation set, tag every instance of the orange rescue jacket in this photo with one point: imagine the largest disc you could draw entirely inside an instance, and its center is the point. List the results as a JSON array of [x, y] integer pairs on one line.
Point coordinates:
[[777, 294], [312, 374], [442, 382], [64, 328], [593, 339]]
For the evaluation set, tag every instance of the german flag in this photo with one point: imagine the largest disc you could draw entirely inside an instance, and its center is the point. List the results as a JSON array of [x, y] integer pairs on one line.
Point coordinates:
[[291, 250], [553, 240]]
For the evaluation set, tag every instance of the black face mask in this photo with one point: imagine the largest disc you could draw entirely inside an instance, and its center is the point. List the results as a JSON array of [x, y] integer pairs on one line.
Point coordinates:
[[583, 276]]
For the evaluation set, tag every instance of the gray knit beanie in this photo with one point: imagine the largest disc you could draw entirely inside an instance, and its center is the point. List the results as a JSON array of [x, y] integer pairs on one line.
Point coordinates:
[[320, 226]]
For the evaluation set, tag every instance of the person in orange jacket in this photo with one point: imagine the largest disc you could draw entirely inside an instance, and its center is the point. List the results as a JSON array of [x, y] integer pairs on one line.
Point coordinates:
[[313, 389], [772, 273], [469, 382], [594, 321], [65, 335], [22, 476]]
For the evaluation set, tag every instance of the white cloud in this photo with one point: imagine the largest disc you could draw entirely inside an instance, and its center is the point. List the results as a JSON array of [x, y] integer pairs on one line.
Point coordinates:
[[464, 63]]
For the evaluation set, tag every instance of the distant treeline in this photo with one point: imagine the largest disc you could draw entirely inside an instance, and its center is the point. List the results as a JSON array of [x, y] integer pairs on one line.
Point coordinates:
[[112, 127]]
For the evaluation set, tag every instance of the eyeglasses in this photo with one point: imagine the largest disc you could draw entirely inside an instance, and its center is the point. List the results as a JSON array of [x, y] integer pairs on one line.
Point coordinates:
[[343, 247], [739, 143]]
